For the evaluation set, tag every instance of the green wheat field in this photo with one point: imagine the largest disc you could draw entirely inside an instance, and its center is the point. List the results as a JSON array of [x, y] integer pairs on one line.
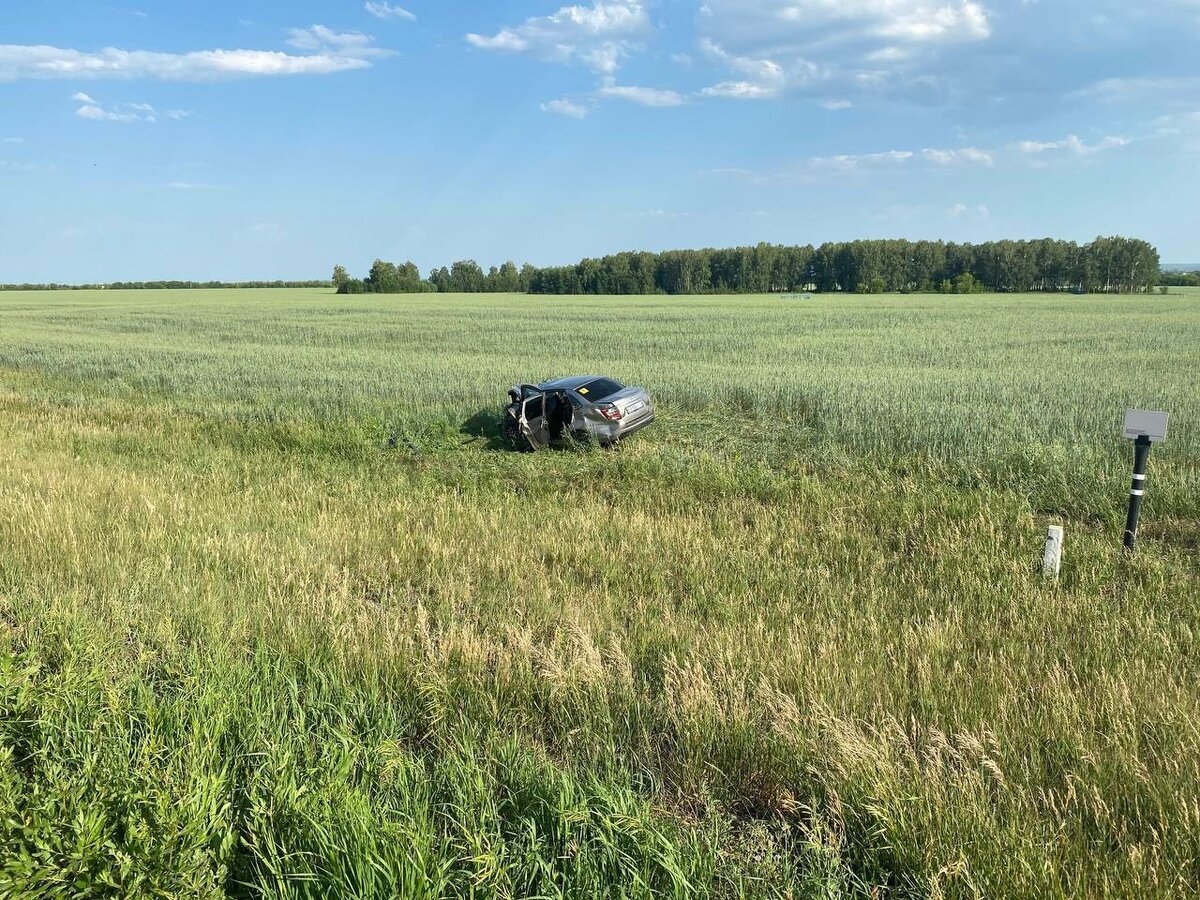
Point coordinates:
[[281, 617]]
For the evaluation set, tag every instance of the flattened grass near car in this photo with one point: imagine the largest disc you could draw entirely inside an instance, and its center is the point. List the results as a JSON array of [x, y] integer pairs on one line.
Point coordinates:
[[272, 622]]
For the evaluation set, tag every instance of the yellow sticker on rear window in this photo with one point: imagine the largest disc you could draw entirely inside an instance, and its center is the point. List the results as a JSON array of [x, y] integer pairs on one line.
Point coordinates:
[[583, 391]]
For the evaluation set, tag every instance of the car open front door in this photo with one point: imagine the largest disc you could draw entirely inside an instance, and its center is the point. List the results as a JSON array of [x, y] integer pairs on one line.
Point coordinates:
[[533, 418]]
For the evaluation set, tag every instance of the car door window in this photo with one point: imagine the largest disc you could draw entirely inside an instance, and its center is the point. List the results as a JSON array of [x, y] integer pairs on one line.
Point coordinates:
[[534, 408]]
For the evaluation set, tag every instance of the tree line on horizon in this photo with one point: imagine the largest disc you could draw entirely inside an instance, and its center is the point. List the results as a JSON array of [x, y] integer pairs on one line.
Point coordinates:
[[1180, 279], [1107, 264], [163, 285]]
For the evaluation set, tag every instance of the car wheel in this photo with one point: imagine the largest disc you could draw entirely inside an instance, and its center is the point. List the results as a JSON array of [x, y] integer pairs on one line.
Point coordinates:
[[512, 433]]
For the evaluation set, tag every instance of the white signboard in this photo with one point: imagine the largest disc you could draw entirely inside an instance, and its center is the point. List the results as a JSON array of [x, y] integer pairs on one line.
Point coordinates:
[[1139, 422]]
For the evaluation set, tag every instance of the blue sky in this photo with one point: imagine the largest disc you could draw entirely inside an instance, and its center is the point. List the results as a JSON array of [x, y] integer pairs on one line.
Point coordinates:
[[263, 140]]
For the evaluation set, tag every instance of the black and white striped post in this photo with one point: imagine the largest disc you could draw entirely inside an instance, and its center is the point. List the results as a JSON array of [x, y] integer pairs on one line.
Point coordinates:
[[1141, 456], [1145, 427]]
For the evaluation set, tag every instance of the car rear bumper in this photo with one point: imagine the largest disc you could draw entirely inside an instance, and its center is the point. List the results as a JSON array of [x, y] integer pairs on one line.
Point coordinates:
[[636, 425], [606, 431]]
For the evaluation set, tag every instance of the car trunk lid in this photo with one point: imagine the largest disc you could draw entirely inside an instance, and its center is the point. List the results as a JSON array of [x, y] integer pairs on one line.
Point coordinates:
[[633, 402]]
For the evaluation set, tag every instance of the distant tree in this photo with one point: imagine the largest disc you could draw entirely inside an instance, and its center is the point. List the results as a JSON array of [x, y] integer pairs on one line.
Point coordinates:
[[340, 278], [440, 279], [526, 276], [383, 278], [507, 277], [966, 283], [466, 277], [1123, 265], [410, 276], [389, 278], [1180, 279]]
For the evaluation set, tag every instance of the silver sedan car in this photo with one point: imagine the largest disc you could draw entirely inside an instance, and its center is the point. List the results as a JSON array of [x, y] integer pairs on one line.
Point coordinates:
[[591, 407]]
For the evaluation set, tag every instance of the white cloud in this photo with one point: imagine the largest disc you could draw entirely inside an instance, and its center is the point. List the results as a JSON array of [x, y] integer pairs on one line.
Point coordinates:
[[740, 90], [762, 78], [386, 10], [1177, 123], [130, 112], [597, 35], [781, 46], [565, 107], [889, 55], [331, 52], [98, 114], [887, 21], [192, 186], [835, 105], [12, 140], [1140, 90], [848, 162], [1035, 153], [979, 212], [318, 38], [643, 96], [939, 157], [123, 112], [1037, 146], [1071, 144], [958, 156], [962, 156], [506, 40], [605, 59], [922, 22], [816, 167]]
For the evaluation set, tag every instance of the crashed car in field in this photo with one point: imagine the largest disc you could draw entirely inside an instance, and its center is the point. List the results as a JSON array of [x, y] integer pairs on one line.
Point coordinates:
[[587, 407]]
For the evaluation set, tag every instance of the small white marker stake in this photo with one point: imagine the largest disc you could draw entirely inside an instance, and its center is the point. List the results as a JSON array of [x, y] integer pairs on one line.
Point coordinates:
[[1052, 561]]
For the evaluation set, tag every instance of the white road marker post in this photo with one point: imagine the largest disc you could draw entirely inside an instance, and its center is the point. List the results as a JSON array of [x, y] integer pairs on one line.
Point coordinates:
[[1052, 560]]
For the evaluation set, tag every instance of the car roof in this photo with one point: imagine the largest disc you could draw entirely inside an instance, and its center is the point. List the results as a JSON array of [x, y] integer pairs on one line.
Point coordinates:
[[569, 383]]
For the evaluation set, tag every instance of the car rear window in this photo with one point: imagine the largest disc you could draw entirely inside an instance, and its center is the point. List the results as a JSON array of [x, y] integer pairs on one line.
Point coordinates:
[[599, 389]]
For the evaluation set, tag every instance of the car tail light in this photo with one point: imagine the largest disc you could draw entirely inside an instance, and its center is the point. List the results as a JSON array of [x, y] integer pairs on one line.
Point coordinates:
[[611, 413]]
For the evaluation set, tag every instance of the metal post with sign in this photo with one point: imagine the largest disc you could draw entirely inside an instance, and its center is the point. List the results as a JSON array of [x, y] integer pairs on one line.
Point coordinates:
[[1144, 427]]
